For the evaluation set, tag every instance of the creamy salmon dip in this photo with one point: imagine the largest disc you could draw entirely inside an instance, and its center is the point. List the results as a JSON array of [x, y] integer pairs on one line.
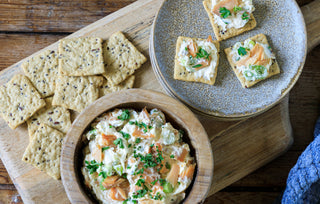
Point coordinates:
[[232, 13], [200, 57], [136, 157], [253, 59]]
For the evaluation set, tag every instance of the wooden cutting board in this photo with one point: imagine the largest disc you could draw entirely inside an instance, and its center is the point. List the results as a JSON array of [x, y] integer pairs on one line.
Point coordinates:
[[239, 147]]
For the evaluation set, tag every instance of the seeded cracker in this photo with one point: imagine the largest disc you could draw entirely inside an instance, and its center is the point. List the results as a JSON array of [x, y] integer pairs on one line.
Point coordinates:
[[109, 88], [181, 73], [81, 56], [56, 117], [274, 68], [121, 58], [231, 32], [19, 100], [42, 71], [44, 150], [76, 93]]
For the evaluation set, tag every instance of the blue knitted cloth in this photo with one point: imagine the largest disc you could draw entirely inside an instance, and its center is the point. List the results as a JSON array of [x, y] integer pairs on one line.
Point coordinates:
[[303, 183]]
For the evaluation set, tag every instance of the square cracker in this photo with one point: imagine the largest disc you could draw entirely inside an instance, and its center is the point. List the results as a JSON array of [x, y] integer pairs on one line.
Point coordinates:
[[181, 73], [76, 93], [231, 32], [121, 58], [81, 56], [56, 117], [274, 68], [19, 100], [109, 88], [42, 71], [44, 150]]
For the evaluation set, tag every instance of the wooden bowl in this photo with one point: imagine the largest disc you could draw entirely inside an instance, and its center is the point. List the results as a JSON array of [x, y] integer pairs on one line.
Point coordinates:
[[176, 113]]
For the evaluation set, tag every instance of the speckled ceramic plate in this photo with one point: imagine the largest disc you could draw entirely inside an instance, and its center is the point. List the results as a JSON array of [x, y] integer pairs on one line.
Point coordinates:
[[281, 21]]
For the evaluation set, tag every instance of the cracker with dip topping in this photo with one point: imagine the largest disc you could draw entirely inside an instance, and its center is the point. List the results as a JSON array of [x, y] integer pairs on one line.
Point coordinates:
[[56, 117], [121, 58], [44, 150], [42, 70], [186, 71], [76, 93], [273, 69], [109, 88], [222, 33], [19, 100], [81, 56]]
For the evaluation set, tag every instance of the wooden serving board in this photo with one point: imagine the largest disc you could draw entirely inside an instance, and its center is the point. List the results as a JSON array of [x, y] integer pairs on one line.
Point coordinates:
[[238, 147]]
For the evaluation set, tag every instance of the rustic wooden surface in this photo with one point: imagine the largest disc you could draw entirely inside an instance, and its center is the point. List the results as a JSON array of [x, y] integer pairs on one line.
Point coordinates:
[[36, 27]]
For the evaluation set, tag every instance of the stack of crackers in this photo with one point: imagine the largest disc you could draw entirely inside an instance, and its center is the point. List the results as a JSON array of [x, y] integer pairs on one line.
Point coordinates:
[[81, 71]]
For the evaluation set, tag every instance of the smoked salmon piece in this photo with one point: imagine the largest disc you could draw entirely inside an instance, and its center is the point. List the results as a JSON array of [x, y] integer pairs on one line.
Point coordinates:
[[97, 154], [189, 171], [183, 155], [204, 63], [112, 181], [228, 4], [145, 115], [193, 48], [209, 39], [138, 133], [255, 55], [172, 176], [107, 140], [117, 193]]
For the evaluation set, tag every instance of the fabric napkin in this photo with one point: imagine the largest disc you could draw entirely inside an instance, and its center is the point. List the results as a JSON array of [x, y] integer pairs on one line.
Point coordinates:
[[303, 183]]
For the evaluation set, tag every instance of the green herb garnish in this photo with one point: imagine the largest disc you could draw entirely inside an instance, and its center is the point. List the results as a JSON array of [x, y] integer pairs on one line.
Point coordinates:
[[245, 16], [197, 66], [92, 166], [237, 8], [103, 174], [171, 156], [125, 135], [104, 148], [119, 142], [242, 51], [138, 140], [125, 115], [140, 182], [224, 12]]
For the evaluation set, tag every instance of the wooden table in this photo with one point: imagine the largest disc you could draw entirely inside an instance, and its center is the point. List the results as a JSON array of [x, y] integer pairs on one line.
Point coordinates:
[[36, 24]]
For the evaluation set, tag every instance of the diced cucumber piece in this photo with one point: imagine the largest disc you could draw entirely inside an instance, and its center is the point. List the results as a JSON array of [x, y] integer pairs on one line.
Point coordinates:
[[167, 188]]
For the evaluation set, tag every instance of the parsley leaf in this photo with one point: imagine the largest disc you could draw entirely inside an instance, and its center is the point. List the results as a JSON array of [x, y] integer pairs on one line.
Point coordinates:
[[224, 12], [242, 51], [237, 8], [125, 115], [245, 16], [119, 142]]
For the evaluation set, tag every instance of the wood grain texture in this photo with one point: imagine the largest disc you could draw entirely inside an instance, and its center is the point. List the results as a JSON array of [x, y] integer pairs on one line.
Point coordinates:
[[54, 16], [304, 100], [312, 23]]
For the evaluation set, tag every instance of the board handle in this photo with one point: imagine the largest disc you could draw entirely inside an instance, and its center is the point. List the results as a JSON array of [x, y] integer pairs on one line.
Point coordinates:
[[312, 18]]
